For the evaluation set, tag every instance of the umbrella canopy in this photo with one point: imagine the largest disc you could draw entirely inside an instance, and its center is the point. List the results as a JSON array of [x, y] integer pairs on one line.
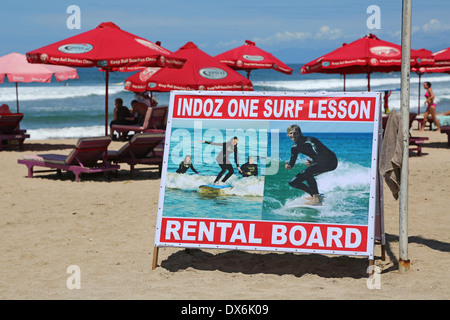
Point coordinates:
[[200, 72], [16, 68], [442, 58], [441, 63], [248, 57], [366, 55], [106, 47]]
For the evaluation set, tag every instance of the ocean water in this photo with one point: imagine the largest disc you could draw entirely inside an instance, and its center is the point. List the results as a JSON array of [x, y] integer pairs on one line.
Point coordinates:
[[268, 196], [76, 108]]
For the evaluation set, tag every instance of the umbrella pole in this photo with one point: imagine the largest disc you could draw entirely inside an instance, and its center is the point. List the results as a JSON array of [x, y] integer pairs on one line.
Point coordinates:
[[248, 74], [368, 82], [344, 82], [17, 97], [106, 101], [418, 107]]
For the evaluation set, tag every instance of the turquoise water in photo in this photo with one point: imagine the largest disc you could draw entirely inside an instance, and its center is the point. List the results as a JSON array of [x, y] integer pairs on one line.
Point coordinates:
[[182, 197], [346, 189]]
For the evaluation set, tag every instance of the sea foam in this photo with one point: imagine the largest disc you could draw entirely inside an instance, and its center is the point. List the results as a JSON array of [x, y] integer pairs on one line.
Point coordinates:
[[30, 93], [66, 133]]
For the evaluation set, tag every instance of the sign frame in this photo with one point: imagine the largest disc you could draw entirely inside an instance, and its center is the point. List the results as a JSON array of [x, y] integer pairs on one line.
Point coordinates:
[[246, 225]]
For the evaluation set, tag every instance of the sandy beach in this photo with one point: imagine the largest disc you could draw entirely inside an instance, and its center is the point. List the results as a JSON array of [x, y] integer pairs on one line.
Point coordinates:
[[107, 229]]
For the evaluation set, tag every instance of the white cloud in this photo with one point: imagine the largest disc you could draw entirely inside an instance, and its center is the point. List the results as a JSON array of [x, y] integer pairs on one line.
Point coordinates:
[[434, 26], [414, 29], [325, 32], [232, 43], [286, 36]]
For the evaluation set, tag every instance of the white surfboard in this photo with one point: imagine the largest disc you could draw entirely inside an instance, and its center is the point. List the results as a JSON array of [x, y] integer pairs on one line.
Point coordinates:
[[303, 202]]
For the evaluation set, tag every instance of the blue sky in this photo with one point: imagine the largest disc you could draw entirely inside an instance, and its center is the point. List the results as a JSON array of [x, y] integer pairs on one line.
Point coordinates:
[[294, 31]]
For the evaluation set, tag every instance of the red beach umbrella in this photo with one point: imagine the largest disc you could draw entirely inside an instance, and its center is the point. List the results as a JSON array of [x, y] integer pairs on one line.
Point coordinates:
[[366, 55], [441, 63], [106, 47], [16, 68], [442, 58], [248, 57], [200, 72]]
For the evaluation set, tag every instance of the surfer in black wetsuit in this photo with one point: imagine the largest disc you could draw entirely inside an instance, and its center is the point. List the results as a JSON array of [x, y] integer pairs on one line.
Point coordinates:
[[249, 168], [185, 165], [322, 160], [223, 160]]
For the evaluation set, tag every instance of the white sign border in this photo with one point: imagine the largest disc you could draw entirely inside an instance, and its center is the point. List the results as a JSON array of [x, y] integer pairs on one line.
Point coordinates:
[[373, 174]]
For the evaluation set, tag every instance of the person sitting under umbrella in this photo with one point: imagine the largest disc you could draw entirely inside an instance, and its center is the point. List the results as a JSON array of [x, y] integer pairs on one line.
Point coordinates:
[[138, 110], [122, 115]]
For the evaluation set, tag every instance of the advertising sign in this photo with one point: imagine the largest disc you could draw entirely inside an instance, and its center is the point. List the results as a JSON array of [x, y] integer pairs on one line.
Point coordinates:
[[275, 171]]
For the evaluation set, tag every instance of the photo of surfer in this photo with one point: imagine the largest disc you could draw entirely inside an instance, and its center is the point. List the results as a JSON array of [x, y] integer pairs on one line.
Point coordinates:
[[249, 168], [223, 160], [185, 165], [321, 160]]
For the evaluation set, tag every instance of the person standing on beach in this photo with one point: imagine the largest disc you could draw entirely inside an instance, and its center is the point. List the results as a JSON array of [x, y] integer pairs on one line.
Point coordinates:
[[387, 93], [429, 95], [223, 158], [322, 160]]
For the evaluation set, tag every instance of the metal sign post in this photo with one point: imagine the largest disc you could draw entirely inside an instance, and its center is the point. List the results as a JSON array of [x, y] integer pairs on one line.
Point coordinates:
[[404, 262]]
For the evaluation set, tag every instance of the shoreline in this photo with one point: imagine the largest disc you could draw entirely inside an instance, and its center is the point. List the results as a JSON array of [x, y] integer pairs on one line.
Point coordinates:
[[107, 228]]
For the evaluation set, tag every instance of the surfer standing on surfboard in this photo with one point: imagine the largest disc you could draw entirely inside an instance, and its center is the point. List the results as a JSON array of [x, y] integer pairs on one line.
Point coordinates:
[[223, 160], [322, 160]]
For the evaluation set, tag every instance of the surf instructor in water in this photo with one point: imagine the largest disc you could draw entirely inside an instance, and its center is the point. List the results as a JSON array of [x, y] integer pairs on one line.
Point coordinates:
[[322, 160], [223, 160]]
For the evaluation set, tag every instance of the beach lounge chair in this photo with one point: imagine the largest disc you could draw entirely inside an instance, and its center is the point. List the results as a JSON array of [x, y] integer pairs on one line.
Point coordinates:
[[421, 121], [143, 148], [154, 121], [10, 133], [415, 142], [86, 157], [446, 129], [158, 119]]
